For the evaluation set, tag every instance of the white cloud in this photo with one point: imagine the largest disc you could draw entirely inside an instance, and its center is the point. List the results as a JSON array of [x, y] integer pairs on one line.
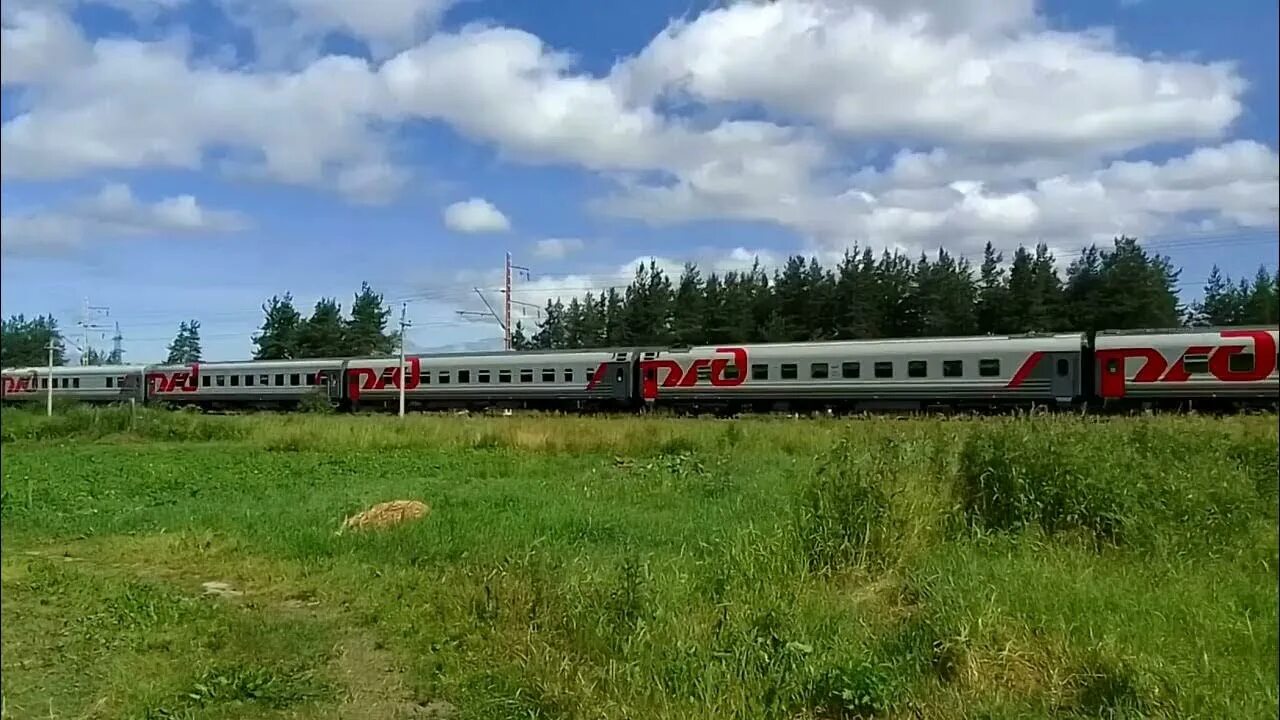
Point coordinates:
[[851, 68], [114, 212], [286, 31], [557, 248], [475, 215], [1009, 130], [37, 44]]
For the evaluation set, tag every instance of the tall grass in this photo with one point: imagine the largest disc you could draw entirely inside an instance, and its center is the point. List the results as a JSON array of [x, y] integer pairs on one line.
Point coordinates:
[[645, 567]]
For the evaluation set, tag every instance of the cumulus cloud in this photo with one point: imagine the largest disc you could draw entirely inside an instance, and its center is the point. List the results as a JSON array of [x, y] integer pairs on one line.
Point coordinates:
[[1009, 130], [114, 212], [475, 215], [864, 74], [556, 248]]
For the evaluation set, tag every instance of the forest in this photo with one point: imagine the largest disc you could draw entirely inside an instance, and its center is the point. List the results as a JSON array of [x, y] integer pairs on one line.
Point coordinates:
[[864, 296]]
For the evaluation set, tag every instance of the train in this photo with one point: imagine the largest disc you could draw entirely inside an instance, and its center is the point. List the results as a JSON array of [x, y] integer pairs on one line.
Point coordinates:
[[1188, 368]]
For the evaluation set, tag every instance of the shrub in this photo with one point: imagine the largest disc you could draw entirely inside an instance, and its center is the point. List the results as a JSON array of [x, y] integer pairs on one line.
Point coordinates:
[[844, 517]]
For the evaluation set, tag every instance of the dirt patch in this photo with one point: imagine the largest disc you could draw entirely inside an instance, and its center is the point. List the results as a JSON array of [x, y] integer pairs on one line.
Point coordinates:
[[221, 589], [387, 514]]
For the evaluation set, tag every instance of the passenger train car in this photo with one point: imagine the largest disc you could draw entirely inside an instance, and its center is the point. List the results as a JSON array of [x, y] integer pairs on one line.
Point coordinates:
[[1200, 368]]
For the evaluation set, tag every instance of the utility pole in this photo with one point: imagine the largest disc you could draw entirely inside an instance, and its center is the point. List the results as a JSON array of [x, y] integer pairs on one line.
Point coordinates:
[[49, 394], [404, 323], [86, 324], [503, 320], [117, 346], [506, 306]]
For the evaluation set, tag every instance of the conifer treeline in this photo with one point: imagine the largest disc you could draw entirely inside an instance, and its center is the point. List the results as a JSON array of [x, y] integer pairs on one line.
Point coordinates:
[[864, 296], [889, 296]]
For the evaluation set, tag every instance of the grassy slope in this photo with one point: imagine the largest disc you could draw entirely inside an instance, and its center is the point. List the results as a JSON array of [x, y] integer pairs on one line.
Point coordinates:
[[639, 567]]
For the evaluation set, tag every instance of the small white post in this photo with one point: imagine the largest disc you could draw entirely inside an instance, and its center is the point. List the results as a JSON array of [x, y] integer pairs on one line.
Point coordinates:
[[403, 323], [49, 395]]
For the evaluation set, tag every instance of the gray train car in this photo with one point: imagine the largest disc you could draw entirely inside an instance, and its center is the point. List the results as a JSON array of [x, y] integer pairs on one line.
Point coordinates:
[[258, 383], [568, 378], [82, 383], [901, 374], [1208, 366]]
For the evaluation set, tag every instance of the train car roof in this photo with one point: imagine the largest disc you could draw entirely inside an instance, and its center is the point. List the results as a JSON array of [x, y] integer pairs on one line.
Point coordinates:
[[1074, 340], [77, 369]]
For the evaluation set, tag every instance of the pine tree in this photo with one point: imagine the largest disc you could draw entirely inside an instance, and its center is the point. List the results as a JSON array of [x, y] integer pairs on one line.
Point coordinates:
[[1261, 306], [1082, 293], [519, 341], [1221, 304], [366, 332], [858, 297], [894, 284], [993, 293], [1137, 290], [592, 323], [185, 348], [945, 297], [281, 329], [615, 318], [573, 316], [689, 313], [323, 334], [25, 343]]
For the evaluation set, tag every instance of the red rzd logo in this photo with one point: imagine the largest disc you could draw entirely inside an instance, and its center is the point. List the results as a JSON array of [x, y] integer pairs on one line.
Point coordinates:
[[1158, 370], [177, 381], [366, 378]]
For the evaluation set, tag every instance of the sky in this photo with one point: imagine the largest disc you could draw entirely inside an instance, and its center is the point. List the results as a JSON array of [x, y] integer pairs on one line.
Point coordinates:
[[166, 160]]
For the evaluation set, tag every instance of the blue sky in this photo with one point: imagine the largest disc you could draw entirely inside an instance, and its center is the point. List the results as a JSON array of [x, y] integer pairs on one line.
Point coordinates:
[[176, 159]]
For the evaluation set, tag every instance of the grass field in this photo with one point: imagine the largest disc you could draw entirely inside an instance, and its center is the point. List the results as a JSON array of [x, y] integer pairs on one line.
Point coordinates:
[[639, 567]]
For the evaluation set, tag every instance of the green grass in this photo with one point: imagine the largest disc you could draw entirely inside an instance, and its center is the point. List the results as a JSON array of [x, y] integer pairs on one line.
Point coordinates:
[[639, 567]]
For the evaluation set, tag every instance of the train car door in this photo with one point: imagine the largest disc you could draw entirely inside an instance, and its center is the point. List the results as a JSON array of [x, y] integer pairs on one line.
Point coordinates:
[[1110, 368], [1063, 383]]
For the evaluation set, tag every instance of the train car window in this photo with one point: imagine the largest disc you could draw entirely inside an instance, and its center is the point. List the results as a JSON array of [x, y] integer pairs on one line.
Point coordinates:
[[424, 377], [789, 371], [730, 372], [819, 371], [568, 375], [526, 375], [917, 368], [1113, 366], [205, 380], [464, 377], [280, 379], [75, 382], [44, 383], [884, 369], [760, 371], [591, 376], [111, 382], [704, 373], [850, 370], [221, 381], [1197, 364], [549, 375], [952, 368], [1240, 362], [989, 367], [504, 376], [264, 379], [309, 379], [248, 381], [482, 376], [1064, 367], [295, 379], [235, 381], [443, 378]]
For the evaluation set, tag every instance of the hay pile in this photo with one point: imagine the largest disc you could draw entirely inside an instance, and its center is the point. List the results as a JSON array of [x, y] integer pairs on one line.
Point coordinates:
[[386, 514]]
